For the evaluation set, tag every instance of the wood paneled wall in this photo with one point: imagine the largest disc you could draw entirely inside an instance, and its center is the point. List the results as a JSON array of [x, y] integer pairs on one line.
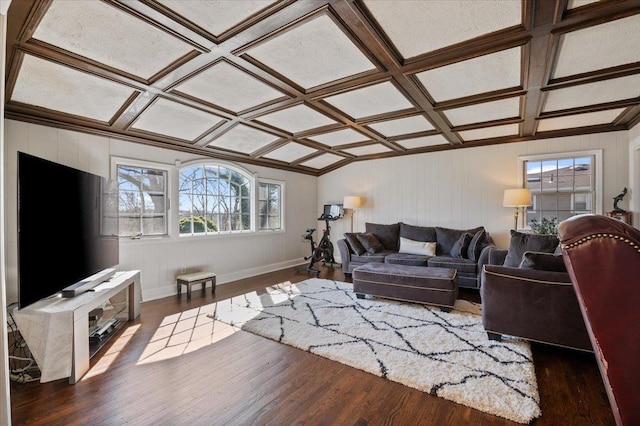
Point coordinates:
[[459, 188]]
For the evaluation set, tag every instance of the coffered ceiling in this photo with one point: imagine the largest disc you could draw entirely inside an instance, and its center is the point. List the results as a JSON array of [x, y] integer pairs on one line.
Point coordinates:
[[314, 85]]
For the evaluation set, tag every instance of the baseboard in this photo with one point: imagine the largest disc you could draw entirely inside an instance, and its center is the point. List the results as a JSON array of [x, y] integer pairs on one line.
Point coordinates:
[[169, 289]]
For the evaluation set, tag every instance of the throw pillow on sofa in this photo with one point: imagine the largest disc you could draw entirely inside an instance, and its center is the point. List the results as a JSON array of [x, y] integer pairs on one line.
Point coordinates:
[[426, 248], [543, 262], [478, 242], [459, 249], [370, 242], [521, 243], [386, 234], [447, 237], [354, 243]]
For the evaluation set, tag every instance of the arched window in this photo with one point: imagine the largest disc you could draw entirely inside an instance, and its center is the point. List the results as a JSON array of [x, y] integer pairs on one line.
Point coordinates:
[[215, 199]]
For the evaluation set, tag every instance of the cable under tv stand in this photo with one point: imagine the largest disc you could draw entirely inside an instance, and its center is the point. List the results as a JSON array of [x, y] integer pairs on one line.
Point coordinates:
[[57, 329]]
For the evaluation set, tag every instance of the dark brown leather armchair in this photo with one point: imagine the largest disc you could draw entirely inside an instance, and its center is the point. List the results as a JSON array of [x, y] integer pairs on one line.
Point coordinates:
[[602, 256]]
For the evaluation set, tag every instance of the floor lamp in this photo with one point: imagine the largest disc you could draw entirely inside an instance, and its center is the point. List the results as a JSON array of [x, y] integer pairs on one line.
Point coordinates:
[[351, 202], [516, 198]]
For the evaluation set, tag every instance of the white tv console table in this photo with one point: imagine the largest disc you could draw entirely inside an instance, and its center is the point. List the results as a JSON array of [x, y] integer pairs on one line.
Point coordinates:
[[57, 329]]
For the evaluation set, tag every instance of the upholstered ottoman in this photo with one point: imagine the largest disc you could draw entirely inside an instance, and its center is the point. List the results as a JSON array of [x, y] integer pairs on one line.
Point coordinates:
[[418, 284]]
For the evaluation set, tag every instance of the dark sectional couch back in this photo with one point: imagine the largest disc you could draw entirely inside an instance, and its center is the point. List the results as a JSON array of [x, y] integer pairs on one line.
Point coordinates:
[[465, 260]]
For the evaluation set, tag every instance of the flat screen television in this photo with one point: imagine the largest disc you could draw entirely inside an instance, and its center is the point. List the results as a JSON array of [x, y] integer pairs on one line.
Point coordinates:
[[334, 210], [67, 227]]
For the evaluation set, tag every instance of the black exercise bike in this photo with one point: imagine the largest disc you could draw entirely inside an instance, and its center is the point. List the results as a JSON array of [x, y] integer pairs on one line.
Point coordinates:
[[323, 250]]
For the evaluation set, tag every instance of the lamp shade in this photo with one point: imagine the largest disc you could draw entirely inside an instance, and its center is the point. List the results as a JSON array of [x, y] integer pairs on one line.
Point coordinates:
[[351, 202], [516, 197]]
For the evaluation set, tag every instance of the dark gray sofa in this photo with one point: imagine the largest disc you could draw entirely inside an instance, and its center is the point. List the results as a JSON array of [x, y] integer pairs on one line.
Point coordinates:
[[467, 261]]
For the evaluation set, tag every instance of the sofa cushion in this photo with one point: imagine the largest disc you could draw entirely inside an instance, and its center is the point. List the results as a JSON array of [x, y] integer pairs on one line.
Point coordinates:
[[370, 243], [521, 242], [406, 259], [447, 237], [354, 244], [477, 244], [371, 258], [424, 248], [460, 265], [543, 262], [417, 233], [461, 246], [388, 235]]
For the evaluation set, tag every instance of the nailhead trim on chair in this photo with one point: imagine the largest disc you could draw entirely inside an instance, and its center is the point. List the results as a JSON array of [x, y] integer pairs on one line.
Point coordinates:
[[590, 237]]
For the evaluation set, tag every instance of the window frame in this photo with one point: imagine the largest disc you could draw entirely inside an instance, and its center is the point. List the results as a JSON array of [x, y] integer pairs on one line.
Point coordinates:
[[597, 172], [253, 178], [168, 169], [282, 205]]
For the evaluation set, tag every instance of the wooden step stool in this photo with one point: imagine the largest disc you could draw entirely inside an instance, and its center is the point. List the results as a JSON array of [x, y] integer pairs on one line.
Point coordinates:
[[196, 278]]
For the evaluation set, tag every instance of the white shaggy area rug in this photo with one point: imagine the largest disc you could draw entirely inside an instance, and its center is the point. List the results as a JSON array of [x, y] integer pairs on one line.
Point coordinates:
[[444, 354]]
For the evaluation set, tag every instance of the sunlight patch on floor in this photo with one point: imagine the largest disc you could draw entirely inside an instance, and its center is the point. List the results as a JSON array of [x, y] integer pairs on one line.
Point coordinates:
[[185, 332], [112, 353], [196, 328]]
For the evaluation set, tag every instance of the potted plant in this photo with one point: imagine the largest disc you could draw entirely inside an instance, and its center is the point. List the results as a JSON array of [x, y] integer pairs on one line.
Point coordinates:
[[545, 226]]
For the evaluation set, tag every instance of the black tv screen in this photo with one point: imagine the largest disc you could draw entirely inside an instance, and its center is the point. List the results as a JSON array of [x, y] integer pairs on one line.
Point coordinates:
[[67, 227]]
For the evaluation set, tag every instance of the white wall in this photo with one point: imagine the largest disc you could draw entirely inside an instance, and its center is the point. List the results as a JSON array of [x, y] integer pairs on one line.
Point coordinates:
[[231, 256], [634, 175], [459, 188]]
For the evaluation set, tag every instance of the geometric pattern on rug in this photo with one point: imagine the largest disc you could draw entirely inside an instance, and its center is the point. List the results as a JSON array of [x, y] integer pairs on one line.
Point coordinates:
[[445, 354]]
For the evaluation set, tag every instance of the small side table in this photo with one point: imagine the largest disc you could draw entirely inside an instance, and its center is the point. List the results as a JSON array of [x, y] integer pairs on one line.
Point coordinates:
[[192, 278]]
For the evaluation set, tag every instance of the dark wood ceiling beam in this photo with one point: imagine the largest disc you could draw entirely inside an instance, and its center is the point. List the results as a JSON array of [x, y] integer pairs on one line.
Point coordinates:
[[630, 117], [538, 57], [591, 108]]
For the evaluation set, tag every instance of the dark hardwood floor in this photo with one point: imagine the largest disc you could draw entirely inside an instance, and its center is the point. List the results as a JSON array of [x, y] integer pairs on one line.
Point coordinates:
[[244, 379]]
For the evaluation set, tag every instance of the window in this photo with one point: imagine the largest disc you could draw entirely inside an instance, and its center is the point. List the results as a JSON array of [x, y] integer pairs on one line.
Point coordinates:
[[562, 185], [142, 195], [270, 206], [214, 199]]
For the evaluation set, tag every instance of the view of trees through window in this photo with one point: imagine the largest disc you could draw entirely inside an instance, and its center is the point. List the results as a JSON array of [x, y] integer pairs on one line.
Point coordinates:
[[560, 188], [141, 201], [270, 206], [214, 199]]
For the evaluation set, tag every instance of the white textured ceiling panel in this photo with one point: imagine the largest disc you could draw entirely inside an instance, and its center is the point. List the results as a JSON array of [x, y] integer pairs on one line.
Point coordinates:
[[490, 132], [500, 70], [170, 118], [594, 93], [296, 119], [216, 16], [368, 149], [417, 27], [290, 152], [313, 53], [504, 108], [371, 100], [322, 161], [340, 137], [579, 120], [229, 87], [423, 141], [106, 34], [602, 46], [56, 87], [243, 139], [402, 126]]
